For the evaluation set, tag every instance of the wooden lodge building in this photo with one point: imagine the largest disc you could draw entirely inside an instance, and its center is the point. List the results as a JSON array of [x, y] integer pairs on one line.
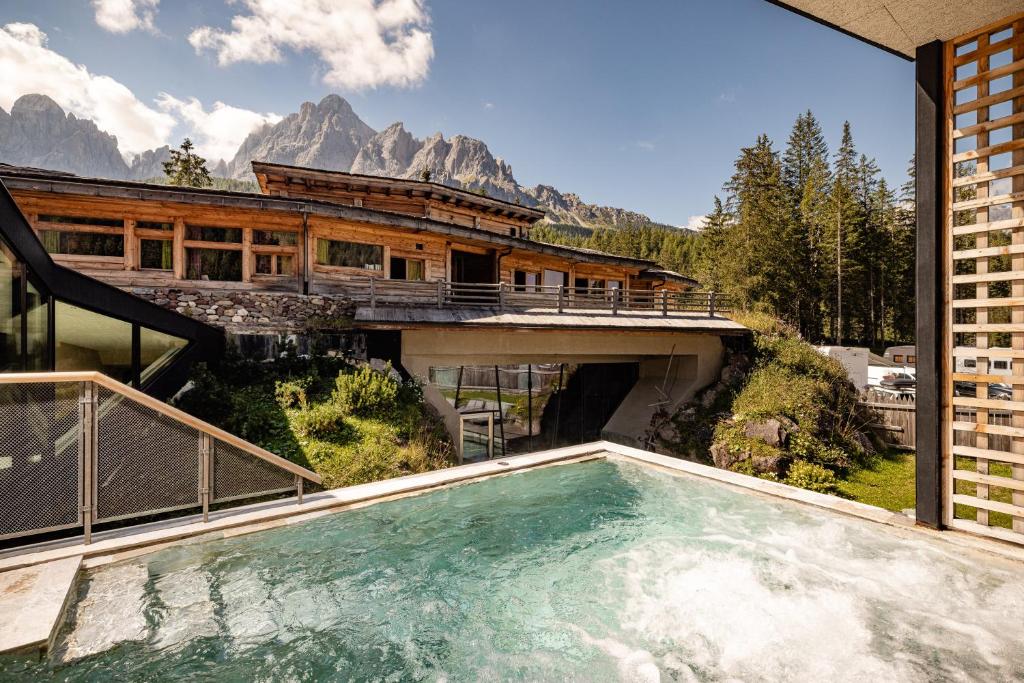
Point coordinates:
[[418, 273]]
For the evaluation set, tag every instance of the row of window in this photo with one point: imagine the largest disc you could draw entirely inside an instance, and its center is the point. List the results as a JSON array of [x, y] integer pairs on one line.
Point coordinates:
[[972, 363]]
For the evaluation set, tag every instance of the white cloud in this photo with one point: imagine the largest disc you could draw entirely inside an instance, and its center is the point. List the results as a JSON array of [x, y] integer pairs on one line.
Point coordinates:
[[122, 16], [30, 67], [219, 132], [488, 105], [645, 144], [363, 43], [696, 222]]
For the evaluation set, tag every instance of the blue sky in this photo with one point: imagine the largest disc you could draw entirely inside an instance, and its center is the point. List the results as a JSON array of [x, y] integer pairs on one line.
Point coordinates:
[[641, 105]]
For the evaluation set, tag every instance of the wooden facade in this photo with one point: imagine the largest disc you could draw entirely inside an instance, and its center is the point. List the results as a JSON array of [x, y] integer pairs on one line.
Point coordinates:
[[983, 286], [155, 236]]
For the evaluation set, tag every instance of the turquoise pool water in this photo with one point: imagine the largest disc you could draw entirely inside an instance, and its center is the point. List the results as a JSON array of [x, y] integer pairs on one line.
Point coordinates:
[[590, 572]]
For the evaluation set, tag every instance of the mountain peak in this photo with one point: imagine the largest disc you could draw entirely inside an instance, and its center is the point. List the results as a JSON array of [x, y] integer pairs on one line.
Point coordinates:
[[35, 102]]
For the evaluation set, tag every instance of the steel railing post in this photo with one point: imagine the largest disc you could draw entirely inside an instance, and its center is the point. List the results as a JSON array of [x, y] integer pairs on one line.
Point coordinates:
[[298, 489], [615, 302], [711, 304], [664, 302], [373, 293], [440, 293], [205, 471], [501, 296], [86, 454], [561, 298]]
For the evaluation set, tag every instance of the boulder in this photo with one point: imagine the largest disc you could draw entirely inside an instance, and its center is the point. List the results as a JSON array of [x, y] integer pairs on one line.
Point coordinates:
[[773, 431]]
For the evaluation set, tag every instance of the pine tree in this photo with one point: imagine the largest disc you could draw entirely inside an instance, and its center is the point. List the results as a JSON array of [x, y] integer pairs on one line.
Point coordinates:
[[185, 168], [807, 177]]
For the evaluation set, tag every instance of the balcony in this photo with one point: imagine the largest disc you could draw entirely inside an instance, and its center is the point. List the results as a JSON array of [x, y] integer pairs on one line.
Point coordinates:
[[380, 293]]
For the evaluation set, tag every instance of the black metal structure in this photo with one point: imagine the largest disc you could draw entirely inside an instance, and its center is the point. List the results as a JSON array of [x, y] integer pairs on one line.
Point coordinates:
[[205, 342], [931, 254]]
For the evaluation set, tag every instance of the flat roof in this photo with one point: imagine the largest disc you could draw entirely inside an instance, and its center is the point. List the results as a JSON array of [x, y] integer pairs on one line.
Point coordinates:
[[424, 316], [406, 186], [901, 26]]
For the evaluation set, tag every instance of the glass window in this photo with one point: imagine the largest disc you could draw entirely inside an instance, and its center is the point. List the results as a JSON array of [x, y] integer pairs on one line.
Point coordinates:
[[213, 264], [275, 264], [898, 358], [10, 312], [82, 243], [156, 254], [156, 350], [90, 341], [911, 359], [407, 269], [970, 363], [275, 237], [349, 254], [37, 307], [202, 233], [553, 278], [526, 282]]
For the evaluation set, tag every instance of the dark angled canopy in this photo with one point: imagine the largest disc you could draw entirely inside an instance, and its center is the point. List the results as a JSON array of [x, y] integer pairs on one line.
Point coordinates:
[[900, 26]]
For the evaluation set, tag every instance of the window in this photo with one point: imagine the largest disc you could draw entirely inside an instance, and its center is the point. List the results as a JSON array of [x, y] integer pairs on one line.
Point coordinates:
[[275, 264], [90, 341], [911, 360], [82, 243], [276, 238], [213, 264], [970, 363], [21, 348], [349, 254], [407, 269], [156, 254], [1000, 365], [554, 278], [156, 350], [526, 281], [898, 358], [201, 233]]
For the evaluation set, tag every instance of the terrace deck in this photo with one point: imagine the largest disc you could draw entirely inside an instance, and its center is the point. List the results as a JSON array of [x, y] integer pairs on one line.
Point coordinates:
[[415, 316]]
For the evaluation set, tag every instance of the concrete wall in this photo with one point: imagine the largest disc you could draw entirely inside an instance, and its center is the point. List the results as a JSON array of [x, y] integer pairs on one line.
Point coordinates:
[[697, 361]]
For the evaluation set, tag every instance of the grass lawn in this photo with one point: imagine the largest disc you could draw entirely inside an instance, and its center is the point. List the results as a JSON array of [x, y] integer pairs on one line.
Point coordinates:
[[888, 484]]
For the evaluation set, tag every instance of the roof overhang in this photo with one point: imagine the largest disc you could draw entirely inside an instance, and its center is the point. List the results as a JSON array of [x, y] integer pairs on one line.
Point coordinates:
[[901, 26], [312, 178]]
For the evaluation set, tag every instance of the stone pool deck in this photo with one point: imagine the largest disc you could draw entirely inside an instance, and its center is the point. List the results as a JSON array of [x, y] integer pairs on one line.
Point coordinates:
[[39, 579]]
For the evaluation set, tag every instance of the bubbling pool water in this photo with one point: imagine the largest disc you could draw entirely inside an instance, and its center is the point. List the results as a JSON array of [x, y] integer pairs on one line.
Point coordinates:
[[594, 571]]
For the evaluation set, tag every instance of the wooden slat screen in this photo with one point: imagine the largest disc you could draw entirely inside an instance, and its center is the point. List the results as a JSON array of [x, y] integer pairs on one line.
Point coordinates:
[[984, 411]]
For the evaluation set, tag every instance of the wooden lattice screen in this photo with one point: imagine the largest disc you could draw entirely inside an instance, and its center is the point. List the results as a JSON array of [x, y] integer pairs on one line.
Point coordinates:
[[984, 413]]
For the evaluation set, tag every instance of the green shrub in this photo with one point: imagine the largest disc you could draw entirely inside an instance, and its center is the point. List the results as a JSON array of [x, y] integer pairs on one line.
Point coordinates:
[[292, 393], [324, 421], [367, 393], [812, 477]]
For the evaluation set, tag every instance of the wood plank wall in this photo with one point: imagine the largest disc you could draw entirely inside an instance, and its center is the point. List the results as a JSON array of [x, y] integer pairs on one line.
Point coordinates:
[[434, 250], [984, 457]]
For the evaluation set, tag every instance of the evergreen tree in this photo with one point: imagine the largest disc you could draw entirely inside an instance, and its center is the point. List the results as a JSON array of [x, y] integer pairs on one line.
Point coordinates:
[[185, 168]]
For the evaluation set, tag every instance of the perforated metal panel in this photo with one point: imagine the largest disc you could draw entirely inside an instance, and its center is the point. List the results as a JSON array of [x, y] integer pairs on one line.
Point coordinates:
[[146, 462], [237, 474], [39, 457]]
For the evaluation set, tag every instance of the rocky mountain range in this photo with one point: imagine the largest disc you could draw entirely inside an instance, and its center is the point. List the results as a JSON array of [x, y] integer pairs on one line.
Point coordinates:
[[327, 135]]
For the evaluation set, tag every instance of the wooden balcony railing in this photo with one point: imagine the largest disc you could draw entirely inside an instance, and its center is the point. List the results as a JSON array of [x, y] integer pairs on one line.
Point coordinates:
[[503, 296]]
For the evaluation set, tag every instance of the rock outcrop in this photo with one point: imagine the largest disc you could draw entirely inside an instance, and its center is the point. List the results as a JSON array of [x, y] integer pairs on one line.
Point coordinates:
[[38, 133], [327, 135]]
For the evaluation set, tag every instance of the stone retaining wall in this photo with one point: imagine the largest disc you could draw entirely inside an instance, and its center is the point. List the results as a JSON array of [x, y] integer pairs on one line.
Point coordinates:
[[255, 312]]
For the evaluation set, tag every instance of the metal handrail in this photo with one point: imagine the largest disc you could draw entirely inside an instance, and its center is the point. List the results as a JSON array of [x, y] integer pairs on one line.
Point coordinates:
[[90, 432], [442, 293], [160, 407]]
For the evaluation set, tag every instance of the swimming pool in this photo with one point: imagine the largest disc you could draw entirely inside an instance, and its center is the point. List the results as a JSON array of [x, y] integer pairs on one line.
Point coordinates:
[[602, 570]]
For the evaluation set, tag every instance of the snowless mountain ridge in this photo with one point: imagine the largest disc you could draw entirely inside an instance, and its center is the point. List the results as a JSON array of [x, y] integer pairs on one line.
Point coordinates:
[[326, 135]]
